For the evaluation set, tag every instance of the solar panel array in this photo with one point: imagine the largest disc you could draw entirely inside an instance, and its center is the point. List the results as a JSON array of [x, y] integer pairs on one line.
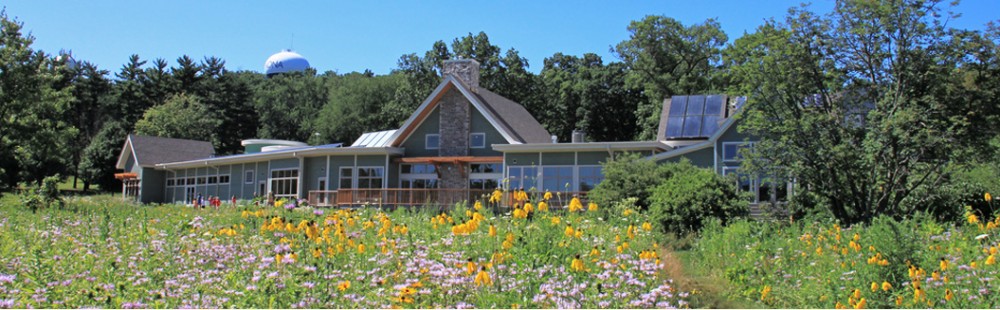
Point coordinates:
[[695, 116]]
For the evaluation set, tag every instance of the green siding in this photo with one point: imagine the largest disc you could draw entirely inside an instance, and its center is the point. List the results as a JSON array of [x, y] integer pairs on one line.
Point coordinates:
[[315, 168], [592, 158], [414, 145], [701, 158], [393, 173], [151, 185], [521, 159], [493, 136], [284, 163], [336, 162], [556, 159], [371, 160]]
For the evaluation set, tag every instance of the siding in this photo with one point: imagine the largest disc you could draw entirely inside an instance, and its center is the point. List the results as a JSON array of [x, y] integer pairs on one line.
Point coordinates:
[[414, 144], [493, 136]]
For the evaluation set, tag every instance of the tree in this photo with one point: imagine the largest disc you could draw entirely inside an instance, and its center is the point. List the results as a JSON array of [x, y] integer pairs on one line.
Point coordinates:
[[30, 109], [583, 93], [357, 104], [691, 196], [88, 111], [287, 105], [666, 58], [182, 116], [101, 155], [864, 106]]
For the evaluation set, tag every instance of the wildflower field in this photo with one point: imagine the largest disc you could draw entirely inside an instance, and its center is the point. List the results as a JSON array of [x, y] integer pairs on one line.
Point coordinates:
[[913, 263], [100, 252]]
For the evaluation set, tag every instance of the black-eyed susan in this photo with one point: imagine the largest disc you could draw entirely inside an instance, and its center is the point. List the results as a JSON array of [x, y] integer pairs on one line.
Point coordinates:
[[592, 207], [575, 204], [343, 286], [493, 231], [577, 264], [483, 277], [886, 286]]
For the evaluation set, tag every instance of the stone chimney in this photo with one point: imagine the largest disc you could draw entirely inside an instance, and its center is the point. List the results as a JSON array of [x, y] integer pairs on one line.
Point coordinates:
[[465, 70]]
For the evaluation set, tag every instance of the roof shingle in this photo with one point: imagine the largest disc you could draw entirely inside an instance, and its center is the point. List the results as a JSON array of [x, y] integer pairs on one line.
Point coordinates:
[[157, 150]]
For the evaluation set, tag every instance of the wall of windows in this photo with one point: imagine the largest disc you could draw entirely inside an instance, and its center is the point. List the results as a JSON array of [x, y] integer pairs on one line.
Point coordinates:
[[215, 179], [485, 176], [285, 183], [418, 176], [370, 177], [555, 178]]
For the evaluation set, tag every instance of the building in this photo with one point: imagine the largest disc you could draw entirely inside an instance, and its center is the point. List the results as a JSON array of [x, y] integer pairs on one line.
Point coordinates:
[[462, 142]]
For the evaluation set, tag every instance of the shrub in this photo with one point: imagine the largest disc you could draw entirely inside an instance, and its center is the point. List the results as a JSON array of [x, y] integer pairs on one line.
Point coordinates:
[[45, 196], [691, 196], [628, 176]]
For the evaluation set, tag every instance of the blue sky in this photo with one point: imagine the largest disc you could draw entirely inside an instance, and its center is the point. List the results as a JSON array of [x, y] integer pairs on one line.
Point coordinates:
[[354, 36]]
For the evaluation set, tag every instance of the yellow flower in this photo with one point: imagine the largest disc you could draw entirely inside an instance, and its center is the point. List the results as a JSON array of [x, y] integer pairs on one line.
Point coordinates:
[[528, 208], [595, 252], [575, 204], [886, 286], [944, 264], [874, 287], [987, 196], [591, 207], [470, 267], [543, 206], [948, 294], [899, 300], [861, 304], [343, 286], [569, 230], [478, 206], [361, 248], [972, 218], [990, 260], [764, 292], [496, 196], [555, 220], [856, 294], [647, 226], [483, 278], [548, 195], [577, 264], [493, 231]]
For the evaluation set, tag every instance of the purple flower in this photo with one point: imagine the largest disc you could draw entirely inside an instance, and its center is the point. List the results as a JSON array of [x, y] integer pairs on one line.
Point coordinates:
[[309, 285], [318, 212], [289, 206], [133, 305]]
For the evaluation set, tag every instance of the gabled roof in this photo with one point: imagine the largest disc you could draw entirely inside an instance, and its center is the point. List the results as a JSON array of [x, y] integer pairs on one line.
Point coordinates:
[[374, 139], [513, 122], [150, 151], [700, 145]]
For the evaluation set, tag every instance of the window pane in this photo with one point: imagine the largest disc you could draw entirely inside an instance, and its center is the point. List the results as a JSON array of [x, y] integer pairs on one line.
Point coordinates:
[[377, 172], [729, 151], [490, 184], [433, 141], [478, 140], [346, 172], [363, 183], [345, 183], [476, 184], [363, 172], [376, 183]]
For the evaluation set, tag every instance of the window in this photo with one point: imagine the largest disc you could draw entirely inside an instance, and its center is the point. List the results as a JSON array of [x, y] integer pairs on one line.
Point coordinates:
[[590, 176], [743, 181], [346, 177], [285, 183], [432, 141], [486, 168], [213, 180], [202, 180], [370, 177], [223, 179], [522, 177], [558, 178], [731, 150], [484, 184], [248, 177], [485, 176], [477, 140], [418, 176], [190, 181], [170, 182]]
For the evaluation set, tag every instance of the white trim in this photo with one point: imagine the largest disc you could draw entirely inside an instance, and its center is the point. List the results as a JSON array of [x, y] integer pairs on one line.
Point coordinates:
[[326, 172], [737, 144], [427, 144], [298, 180], [397, 138], [340, 177], [259, 157], [482, 134], [357, 175], [122, 159], [252, 173]]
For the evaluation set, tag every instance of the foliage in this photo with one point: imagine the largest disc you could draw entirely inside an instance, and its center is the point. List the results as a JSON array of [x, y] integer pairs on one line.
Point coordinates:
[[666, 58], [357, 105], [867, 104], [182, 116], [913, 263], [101, 252], [44, 196], [629, 176], [691, 196]]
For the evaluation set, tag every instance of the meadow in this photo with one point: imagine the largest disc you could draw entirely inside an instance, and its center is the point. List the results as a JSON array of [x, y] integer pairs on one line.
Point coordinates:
[[97, 251], [912, 263]]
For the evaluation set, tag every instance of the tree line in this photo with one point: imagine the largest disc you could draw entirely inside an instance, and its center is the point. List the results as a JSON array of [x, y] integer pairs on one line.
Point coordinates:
[[923, 96]]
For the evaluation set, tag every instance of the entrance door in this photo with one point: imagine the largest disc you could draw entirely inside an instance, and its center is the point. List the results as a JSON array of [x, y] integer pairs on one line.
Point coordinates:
[[321, 200], [189, 194]]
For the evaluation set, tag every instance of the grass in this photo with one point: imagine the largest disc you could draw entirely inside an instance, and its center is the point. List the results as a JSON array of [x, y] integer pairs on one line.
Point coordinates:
[[101, 252]]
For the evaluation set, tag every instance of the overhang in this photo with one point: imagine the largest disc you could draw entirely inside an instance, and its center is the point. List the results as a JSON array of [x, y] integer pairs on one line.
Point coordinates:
[[582, 147]]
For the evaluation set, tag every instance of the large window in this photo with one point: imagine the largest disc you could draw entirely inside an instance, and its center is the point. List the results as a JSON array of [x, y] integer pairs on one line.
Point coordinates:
[[485, 175], [557, 178], [731, 150], [370, 177], [767, 188], [248, 177], [418, 176], [589, 177], [285, 183], [477, 140], [522, 177], [346, 177], [432, 141]]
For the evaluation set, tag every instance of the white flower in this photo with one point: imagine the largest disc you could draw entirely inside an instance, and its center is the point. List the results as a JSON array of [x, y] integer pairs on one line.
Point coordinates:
[[981, 237]]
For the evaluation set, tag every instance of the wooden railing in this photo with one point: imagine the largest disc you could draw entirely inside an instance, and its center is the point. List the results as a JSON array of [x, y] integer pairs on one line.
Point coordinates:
[[418, 197]]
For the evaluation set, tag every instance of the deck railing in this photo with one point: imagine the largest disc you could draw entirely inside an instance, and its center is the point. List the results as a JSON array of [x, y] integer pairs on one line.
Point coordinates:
[[417, 197]]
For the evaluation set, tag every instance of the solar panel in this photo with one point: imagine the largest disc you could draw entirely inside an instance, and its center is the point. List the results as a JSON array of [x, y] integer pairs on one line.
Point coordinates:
[[709, 125], [675, 126], [713, 105], [696, 105], [692, 126], [677, 105]]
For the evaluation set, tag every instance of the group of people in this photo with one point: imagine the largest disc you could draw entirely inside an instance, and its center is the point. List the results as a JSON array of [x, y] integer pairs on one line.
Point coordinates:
[[213, 201]]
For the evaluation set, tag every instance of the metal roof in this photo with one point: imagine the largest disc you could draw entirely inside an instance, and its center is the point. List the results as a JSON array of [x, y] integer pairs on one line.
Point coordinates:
[[374, 139]]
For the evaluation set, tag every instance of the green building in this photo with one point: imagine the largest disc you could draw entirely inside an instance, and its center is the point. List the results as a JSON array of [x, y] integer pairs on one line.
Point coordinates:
[[462, 142]]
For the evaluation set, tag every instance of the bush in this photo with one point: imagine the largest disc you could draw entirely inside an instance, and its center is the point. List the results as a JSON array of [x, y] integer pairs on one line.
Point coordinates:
[[45, 196], [691, 196], [628, 176]]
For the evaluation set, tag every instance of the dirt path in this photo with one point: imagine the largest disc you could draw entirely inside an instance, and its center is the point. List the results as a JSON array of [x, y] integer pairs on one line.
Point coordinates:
[[705, 290]]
